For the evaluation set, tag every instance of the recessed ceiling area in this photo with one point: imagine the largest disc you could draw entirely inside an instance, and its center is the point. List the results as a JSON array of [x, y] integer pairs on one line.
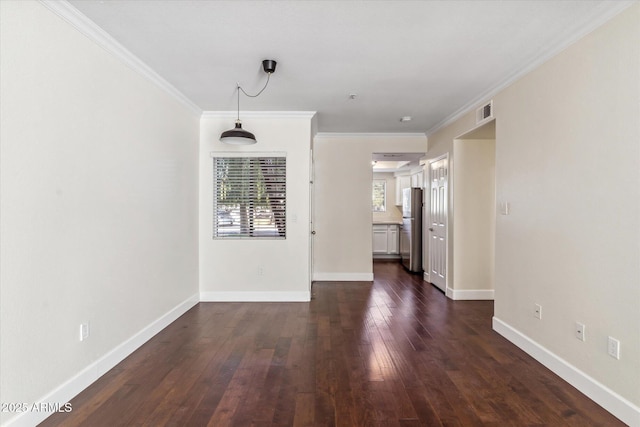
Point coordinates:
[[424, 59], [395, 162]]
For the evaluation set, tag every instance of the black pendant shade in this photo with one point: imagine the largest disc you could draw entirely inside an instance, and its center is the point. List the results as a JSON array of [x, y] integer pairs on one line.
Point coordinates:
[[238, 136]]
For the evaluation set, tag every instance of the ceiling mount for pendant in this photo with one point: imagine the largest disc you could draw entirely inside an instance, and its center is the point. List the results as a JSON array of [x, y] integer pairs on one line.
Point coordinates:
[[237, 135], [269, 66]]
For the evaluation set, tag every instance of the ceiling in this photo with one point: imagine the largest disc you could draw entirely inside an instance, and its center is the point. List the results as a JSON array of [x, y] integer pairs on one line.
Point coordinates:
[[426, 59]]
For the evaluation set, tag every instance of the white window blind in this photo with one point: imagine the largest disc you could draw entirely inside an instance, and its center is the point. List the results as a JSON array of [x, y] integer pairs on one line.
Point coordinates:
[[249, 197]]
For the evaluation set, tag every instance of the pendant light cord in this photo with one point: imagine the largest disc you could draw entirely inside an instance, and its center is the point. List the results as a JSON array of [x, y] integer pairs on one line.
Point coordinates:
[[238, 119], [257, 94], [251, 96]]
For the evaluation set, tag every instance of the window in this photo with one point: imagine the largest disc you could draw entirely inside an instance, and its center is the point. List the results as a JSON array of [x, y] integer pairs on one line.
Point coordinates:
[[249, 198], [379, 195]]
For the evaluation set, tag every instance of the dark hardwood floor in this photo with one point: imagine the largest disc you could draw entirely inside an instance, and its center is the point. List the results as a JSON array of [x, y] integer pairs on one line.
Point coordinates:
[[395, 352]]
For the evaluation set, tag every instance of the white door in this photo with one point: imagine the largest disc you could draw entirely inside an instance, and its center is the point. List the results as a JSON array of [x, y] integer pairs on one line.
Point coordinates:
[[438, 180]]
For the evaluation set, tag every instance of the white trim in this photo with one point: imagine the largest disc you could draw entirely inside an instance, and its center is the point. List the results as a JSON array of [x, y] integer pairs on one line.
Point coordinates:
[[572, 35], [599, 393], [425, 275], [331, 135], [91, 30], [257, 296], [343, 277], [470, 294], [83, 379], [258, 114]]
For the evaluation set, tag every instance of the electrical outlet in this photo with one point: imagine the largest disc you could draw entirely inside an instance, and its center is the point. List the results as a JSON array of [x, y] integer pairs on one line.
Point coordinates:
[[614, 348], [84, 331], [537, 311], [580, 331]]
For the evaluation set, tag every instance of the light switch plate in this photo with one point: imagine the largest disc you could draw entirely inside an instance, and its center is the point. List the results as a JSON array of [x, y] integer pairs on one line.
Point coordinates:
[[505, 208]]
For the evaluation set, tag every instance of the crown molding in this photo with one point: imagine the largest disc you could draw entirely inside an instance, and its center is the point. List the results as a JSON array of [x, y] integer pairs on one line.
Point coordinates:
[[603, 13], [90, 29], [258, 114], [333, 135]]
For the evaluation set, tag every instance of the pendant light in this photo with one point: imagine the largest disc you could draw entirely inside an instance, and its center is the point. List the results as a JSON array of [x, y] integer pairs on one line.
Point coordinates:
[[237, 135]]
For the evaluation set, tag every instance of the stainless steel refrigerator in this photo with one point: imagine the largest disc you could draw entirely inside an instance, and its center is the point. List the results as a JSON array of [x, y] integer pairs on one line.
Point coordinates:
[[411, 230]]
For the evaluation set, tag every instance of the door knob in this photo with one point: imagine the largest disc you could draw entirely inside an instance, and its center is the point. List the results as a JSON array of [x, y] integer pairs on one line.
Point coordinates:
[[313, 232], [430, 229]]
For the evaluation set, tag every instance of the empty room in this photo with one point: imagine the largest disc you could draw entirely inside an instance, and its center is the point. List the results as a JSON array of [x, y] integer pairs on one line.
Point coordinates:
[[319, 213]]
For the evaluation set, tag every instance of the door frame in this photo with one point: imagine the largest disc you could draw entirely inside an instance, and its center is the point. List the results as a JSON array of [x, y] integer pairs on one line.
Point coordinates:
[[312, 230], [426, 238]]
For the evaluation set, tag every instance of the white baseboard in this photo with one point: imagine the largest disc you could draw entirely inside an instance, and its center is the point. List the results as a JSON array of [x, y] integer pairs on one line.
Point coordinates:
[[386, 256], [599, 393], [470, 294], [83, 379], [255, 296], [342, 277], [426, 277]]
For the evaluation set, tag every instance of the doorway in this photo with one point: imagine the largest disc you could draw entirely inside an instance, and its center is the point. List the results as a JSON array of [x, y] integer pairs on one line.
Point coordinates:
[[391, 174], [461, 245]]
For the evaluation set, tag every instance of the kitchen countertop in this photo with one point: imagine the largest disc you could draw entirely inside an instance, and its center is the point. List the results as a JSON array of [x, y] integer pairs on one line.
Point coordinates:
[[390, 222]]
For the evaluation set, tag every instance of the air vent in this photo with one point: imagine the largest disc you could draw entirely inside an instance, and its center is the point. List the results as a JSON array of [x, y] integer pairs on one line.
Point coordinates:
[[485, 112]]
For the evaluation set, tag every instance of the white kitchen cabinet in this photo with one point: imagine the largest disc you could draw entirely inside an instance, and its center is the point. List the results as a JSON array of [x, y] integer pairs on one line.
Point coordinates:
[[392, 240], [380, 239], [385, 239], [402, 182]]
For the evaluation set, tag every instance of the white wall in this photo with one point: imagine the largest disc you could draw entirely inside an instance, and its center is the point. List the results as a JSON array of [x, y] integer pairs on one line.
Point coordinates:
[[567, 156], [567, 160], [393, 212], [258, 270], [99, 202], [342, 202], [474, 201]]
